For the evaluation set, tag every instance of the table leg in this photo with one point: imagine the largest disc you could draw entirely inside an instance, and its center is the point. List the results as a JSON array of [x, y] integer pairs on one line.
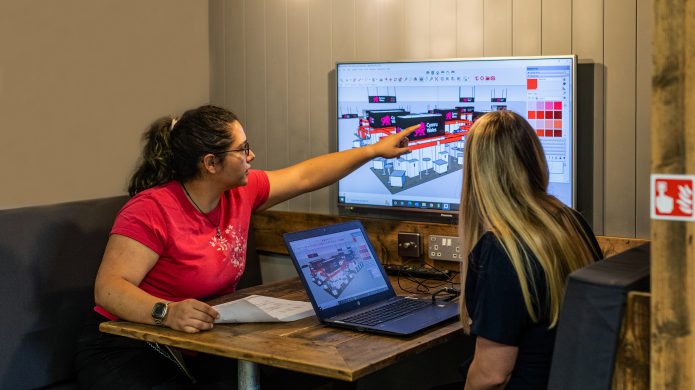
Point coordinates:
[[248, 375]]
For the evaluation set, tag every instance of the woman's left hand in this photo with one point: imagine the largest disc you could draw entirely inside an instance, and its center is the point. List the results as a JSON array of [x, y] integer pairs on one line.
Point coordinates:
[[394, 145]]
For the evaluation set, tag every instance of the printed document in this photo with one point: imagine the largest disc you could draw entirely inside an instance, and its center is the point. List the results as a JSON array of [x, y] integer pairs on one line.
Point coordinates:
[[257, 308]]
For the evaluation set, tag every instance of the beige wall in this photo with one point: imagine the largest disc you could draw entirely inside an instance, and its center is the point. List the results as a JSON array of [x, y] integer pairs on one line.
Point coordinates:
[[79, 82], [271, 61]]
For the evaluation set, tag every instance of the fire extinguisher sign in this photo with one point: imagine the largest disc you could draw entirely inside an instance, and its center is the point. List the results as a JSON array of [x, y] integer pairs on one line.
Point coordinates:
[[672, 197]]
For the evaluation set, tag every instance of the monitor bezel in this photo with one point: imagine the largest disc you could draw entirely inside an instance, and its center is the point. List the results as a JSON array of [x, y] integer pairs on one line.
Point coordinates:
[[438, 216]]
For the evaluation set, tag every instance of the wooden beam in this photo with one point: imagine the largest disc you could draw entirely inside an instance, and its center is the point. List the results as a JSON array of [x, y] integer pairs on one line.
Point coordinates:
[[269, 226], [673, 140], [632, 361]]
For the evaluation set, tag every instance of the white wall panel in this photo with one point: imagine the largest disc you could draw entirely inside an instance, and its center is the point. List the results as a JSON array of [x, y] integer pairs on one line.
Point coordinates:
[[298, 102], [557, 27], [497, 28], [261, 70], [276, 87], [443, 28], [469, 28], [643, 116], [619, 60], [255, 122], [526, 27], [344, 22], [587, 44], [320, 64], [391, 26], [417, 29], [367, 29], [234, 58]]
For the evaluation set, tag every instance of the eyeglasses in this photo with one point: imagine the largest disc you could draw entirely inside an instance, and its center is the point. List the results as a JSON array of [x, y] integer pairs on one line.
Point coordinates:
[[246, 148]]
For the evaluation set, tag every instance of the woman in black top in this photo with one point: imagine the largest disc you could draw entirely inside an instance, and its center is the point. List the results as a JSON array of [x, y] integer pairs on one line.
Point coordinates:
[[522, 245]]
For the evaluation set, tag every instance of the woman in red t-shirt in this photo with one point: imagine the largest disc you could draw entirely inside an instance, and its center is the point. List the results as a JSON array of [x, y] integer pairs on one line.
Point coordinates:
[[182, 236]]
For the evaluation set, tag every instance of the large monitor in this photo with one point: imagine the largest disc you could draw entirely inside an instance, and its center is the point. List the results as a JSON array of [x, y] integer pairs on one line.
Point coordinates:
[[445, 98]]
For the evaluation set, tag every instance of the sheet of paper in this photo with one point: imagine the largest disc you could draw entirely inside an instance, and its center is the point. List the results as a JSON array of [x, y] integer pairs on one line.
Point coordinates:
[[257, 308]]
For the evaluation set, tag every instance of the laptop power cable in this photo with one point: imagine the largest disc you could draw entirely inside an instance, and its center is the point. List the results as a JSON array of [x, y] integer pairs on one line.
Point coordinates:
[[409, 271]]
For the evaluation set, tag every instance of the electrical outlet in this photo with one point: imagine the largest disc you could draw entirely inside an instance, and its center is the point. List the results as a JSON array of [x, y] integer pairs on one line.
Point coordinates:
[[409, 245], [444, 248]]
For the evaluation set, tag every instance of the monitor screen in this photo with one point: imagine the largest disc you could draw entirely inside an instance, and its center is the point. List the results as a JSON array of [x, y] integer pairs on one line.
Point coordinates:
[[445, 98]]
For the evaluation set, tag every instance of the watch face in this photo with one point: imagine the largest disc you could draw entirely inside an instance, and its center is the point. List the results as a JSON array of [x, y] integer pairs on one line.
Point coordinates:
[[159, 310]]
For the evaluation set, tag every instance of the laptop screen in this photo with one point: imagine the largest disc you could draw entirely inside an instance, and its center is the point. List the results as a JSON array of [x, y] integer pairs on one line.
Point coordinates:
[[338, 267]]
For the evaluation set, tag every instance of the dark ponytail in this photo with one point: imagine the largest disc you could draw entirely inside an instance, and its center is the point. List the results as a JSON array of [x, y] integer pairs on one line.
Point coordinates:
[[173, 153], [155, 165]]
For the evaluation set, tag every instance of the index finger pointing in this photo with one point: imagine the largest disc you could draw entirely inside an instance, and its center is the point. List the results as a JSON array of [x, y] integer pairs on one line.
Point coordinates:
[[409, 130]]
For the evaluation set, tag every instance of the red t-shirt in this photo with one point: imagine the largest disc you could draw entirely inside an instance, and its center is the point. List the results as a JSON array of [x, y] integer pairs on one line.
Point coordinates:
[[193, 262]]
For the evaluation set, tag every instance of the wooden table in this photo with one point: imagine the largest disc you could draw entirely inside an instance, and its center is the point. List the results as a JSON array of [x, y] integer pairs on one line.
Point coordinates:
[[305, 345]]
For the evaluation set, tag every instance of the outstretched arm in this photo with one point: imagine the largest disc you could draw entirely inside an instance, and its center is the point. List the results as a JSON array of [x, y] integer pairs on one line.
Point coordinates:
[[326, 169]]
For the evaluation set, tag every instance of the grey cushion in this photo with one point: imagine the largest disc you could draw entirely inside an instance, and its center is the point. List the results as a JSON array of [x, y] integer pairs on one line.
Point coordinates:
[[49, 256], [48, 260]]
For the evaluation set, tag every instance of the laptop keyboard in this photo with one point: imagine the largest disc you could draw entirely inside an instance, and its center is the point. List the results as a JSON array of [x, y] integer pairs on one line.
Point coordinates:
[[387, 312]]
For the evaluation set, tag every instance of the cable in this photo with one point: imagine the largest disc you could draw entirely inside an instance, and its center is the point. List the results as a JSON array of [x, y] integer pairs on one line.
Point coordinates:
[[453, 294], [424, 286]]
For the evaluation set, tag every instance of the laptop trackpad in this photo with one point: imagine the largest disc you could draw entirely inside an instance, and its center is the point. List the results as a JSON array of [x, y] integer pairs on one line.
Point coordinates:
[[425, 317]]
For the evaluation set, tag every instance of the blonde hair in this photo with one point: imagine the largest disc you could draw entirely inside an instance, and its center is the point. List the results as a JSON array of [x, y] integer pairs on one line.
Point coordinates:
[[505, 180]]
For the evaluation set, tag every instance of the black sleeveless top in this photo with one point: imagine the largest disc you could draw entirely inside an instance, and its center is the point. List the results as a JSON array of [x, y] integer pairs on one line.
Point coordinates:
[[496, 306]]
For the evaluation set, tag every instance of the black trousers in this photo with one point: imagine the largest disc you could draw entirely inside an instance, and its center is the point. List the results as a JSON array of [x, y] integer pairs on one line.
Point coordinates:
[[106, 361]]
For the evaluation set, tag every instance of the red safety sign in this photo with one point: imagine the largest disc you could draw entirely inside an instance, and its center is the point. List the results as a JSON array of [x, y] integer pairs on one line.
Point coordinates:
[[672, 197]]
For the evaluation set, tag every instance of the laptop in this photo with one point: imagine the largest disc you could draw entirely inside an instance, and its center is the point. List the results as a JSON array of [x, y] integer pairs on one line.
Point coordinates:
[[348, 286]]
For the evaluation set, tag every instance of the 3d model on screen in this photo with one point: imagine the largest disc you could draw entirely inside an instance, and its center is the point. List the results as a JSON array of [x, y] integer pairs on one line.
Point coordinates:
[[335, 272], [437, 144]]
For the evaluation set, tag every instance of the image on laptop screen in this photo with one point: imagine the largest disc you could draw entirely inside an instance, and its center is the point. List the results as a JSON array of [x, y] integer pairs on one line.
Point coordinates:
[[339, 267]]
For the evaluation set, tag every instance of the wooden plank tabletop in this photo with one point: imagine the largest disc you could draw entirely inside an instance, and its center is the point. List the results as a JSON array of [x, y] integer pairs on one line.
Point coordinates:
[[305, 345]]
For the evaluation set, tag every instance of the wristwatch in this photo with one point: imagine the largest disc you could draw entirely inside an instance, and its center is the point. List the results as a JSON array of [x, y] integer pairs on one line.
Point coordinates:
[[159, 312]]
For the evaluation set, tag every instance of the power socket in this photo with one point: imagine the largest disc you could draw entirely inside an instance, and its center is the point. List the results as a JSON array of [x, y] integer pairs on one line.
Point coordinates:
[[409, 245], [444, 248]]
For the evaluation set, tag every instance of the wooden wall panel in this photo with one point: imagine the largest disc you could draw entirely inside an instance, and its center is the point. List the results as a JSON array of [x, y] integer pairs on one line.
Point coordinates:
[[619, 60], [587, 44], [320, 64], [526, 27], [631, 369], [645, 19], [417, 31], [298, 105], [443, 28], [497, 20], [469, 28], [256, 120], [557, 27], [673, 145], [269, 226]]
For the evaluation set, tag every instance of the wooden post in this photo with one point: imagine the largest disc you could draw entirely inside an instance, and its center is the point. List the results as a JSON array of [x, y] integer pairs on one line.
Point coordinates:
[[632, 361], [673, 140]]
